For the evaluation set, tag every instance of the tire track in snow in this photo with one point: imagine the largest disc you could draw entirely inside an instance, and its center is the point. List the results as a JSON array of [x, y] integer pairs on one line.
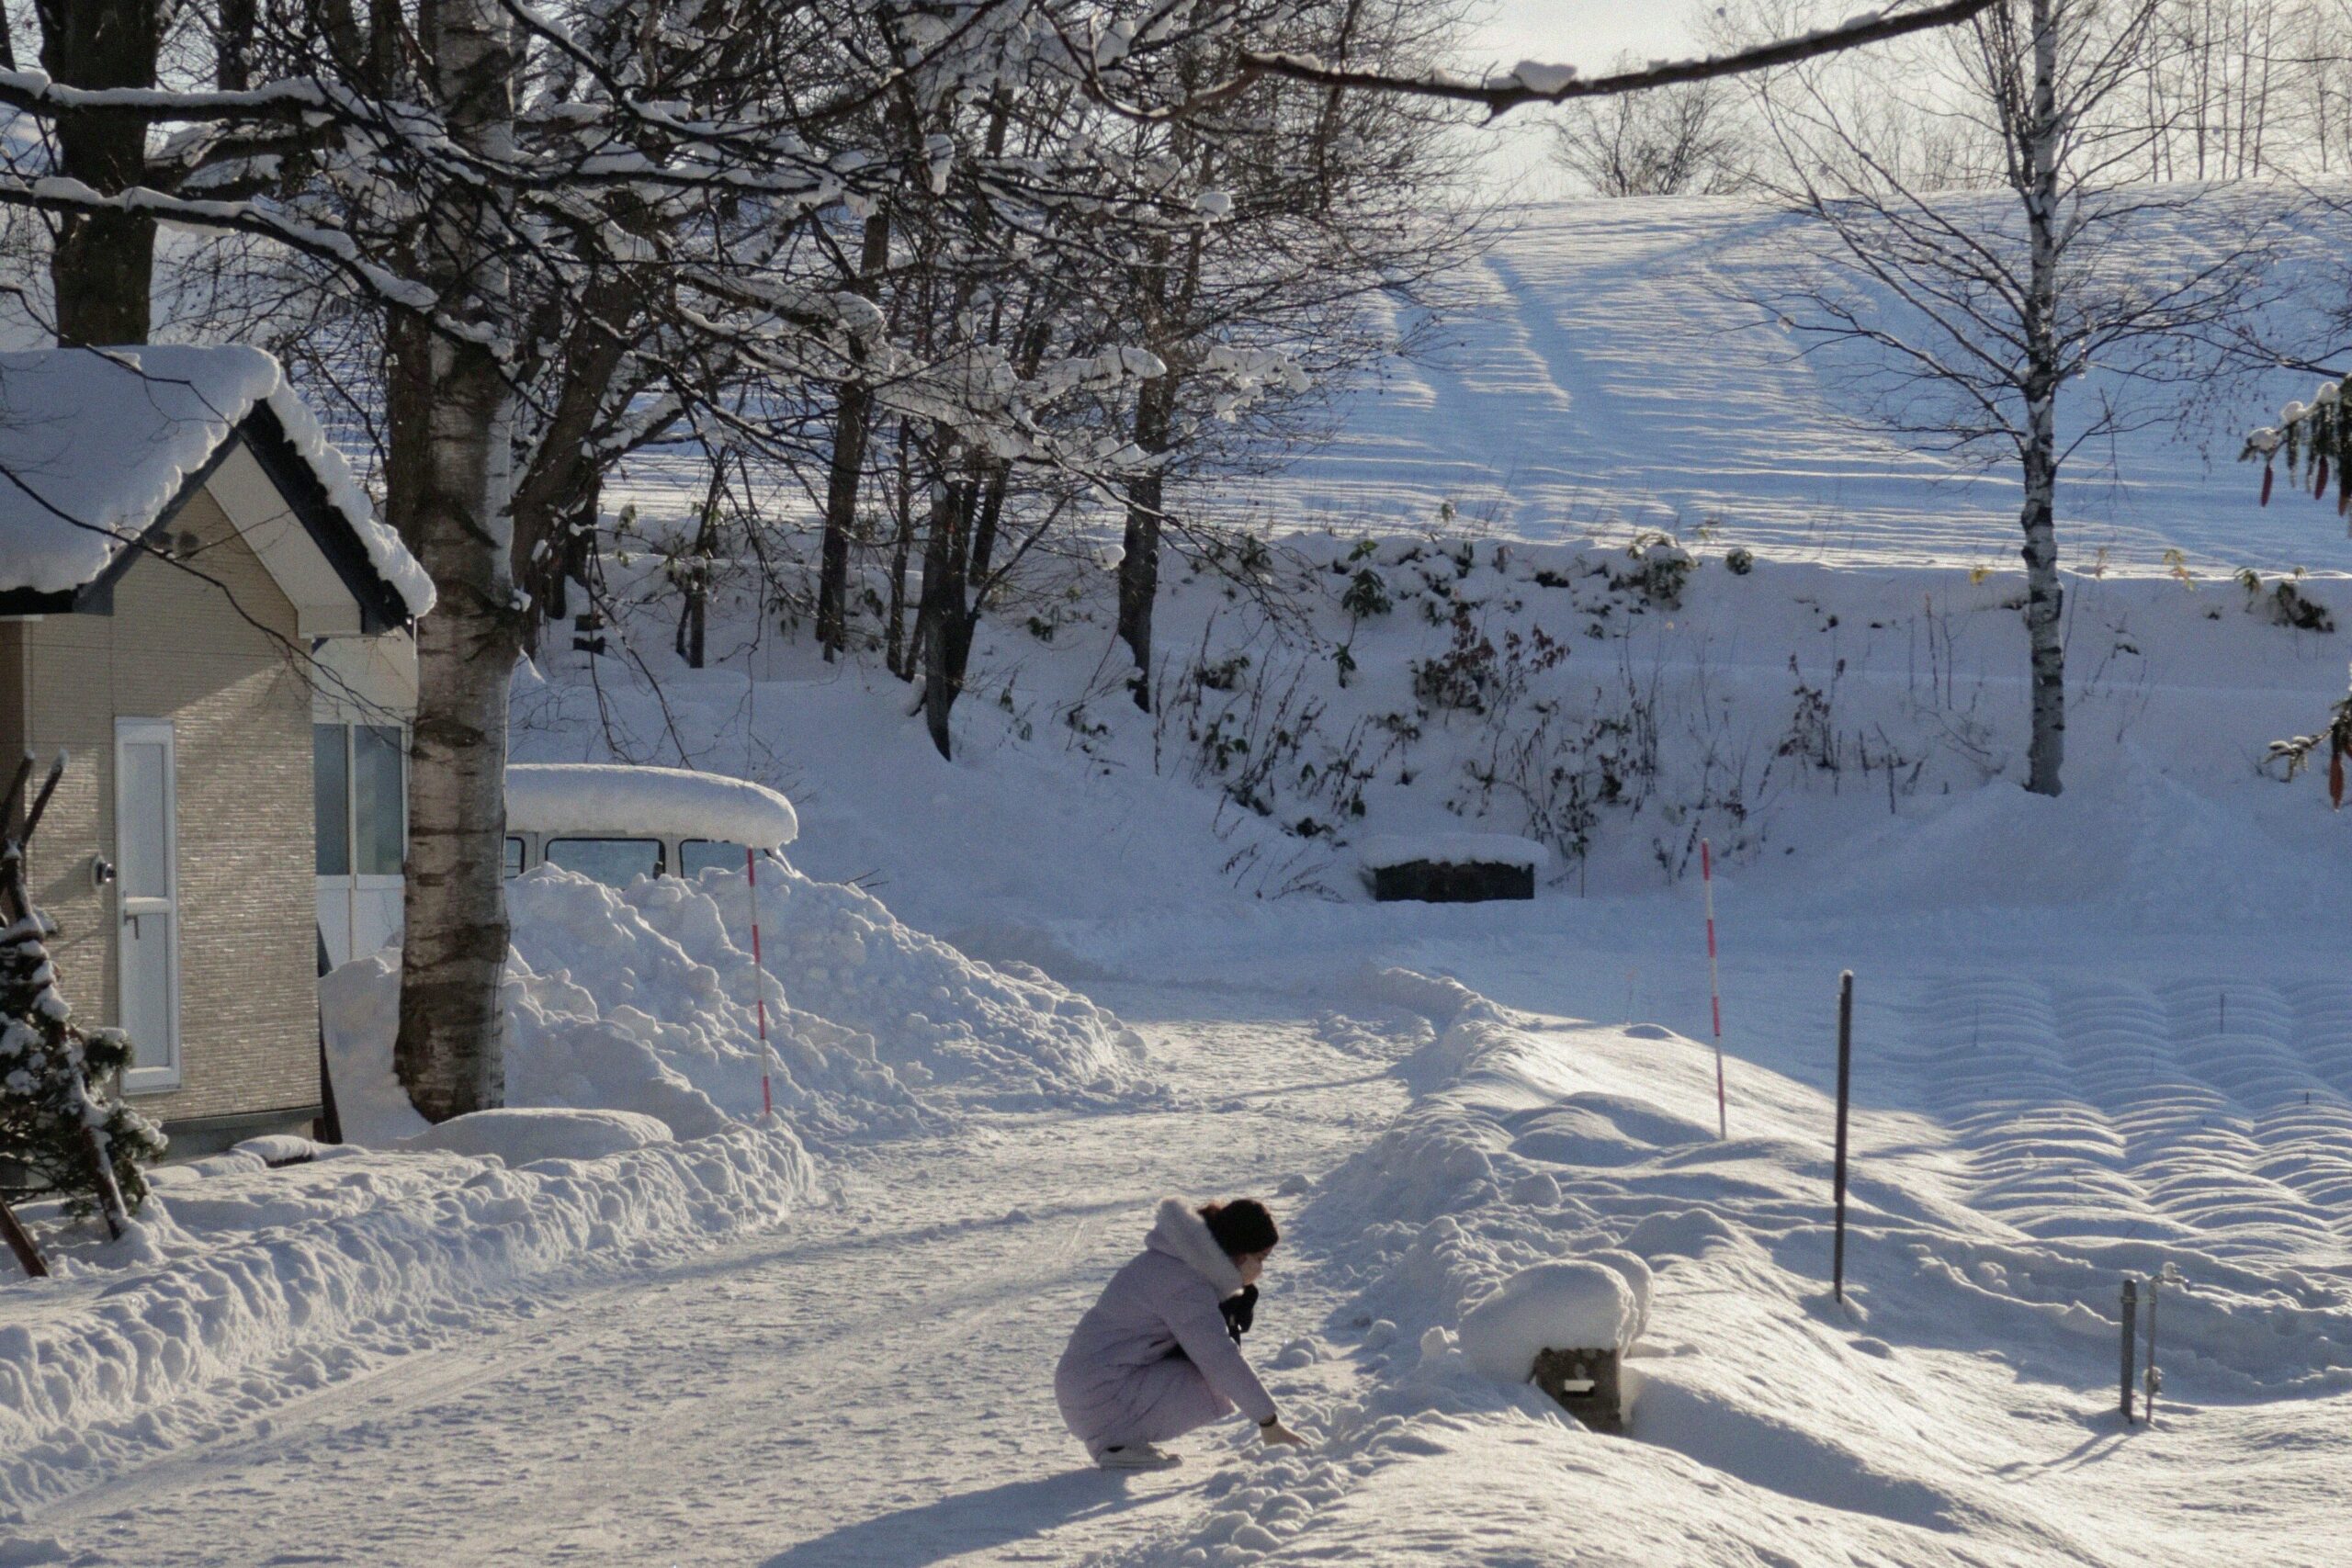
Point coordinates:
[[870, 1385]]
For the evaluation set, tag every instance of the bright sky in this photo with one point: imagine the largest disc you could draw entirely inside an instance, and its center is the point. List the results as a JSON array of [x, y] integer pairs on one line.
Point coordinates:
[[1587, 34]]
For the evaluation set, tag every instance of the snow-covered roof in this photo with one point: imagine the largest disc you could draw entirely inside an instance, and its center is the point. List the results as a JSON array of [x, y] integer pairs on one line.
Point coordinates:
[[1384, 850], [96, 446], [591, 798]]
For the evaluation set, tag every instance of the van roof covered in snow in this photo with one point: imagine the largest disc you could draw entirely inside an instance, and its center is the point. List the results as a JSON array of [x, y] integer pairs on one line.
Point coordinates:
[[668, 803]]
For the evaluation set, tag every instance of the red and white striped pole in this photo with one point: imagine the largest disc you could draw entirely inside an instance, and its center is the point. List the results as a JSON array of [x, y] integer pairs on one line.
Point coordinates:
[[1715, 988], [760, 975]]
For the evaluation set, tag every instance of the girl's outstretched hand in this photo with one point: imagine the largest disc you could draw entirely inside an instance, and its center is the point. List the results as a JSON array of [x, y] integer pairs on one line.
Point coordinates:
[[1275, 1435]]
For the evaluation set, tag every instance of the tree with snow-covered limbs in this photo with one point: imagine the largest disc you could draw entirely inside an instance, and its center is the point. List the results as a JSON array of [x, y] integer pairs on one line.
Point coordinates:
[[1979, 319]]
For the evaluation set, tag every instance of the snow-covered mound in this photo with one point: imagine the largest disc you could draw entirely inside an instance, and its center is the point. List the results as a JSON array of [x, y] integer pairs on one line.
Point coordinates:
[[242, 1285], [647, 1001], [1006, 1035], [1566, 1306], [522, 1136]]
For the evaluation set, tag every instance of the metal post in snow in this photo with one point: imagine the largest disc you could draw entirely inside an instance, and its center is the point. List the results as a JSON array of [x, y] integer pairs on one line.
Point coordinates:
[[2151, 1379], [760, 975], [2131, 1321], [1845, 1095], [1715, 988]]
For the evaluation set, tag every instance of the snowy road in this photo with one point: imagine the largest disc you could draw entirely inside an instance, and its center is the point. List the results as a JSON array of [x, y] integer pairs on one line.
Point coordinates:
[[869, 1385]]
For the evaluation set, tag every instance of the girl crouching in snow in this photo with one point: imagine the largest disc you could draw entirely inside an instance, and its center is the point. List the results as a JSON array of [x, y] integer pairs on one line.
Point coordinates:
[[1153, 1359]]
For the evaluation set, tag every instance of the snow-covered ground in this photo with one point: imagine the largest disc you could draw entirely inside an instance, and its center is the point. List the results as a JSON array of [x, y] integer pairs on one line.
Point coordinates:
[[1104, 955], [2095, 1036]]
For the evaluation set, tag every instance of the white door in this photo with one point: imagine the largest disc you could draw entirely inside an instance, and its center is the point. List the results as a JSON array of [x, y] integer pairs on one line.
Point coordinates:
[[147, 899]]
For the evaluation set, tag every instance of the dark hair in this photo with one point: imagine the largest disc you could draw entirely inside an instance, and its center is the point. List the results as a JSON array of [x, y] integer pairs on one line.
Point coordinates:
[[1241, 1226]]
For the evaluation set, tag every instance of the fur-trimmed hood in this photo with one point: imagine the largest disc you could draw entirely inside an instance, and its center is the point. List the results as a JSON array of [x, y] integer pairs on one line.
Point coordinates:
[[1182, 1234]]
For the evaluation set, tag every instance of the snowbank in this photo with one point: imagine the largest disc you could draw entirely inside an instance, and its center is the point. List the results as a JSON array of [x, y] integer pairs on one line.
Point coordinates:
[[646, 1001], [668, 803], [241, 1286], [961, 1030], [1383, 850]]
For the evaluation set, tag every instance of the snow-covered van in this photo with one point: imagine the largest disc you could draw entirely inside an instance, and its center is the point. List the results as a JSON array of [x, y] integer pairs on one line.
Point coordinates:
[[616, 823]]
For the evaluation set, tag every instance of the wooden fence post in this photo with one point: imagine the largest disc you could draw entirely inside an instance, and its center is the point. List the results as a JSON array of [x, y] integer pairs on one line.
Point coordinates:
[[1844, 1097], [27, 1256]]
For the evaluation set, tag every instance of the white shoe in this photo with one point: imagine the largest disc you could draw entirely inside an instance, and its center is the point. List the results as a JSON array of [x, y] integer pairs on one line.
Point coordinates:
[[1137, 1456]]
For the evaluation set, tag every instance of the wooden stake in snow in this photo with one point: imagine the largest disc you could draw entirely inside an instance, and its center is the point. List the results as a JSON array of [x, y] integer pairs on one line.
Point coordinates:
[[759, 978], [1715, 989], [28, 1257], [1844, 1097]]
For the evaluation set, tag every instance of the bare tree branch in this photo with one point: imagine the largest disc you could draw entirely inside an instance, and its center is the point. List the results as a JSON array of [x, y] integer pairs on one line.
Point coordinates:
[[1498, 96]]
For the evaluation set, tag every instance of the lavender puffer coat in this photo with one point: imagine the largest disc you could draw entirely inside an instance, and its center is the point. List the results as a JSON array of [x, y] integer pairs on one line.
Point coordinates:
[[1151, 1360]]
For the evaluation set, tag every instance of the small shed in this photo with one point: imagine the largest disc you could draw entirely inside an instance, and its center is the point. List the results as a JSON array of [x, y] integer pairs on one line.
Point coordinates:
[[185, 568], [1451, 868]]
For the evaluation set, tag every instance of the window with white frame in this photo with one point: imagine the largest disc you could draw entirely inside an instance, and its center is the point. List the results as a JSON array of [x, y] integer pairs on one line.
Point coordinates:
[[362, 804]]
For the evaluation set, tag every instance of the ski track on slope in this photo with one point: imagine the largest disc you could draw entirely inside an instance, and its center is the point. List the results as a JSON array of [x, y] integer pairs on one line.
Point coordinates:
[[867, 1384]]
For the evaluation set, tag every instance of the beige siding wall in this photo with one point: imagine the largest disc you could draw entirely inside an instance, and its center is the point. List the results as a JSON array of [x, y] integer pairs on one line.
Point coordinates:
[[175, 649]]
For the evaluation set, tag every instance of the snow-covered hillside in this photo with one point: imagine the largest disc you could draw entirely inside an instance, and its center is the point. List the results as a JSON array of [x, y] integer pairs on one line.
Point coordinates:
[[1621, 364]]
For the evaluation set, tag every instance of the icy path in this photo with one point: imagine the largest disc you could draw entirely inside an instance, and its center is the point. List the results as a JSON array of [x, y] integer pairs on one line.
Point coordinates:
[[868, 1385]]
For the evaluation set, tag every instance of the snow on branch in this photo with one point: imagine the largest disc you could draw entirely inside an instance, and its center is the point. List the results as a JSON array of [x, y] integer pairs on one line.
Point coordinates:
[[2312, 435], [1534, 83]]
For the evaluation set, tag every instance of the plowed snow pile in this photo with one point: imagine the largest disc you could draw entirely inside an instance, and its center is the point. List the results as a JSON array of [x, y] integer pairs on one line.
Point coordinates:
[[646, 1000]]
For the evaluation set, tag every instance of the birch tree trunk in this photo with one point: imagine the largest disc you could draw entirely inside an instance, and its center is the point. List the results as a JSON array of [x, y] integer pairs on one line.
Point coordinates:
[[2044, 599], [447, 481]]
